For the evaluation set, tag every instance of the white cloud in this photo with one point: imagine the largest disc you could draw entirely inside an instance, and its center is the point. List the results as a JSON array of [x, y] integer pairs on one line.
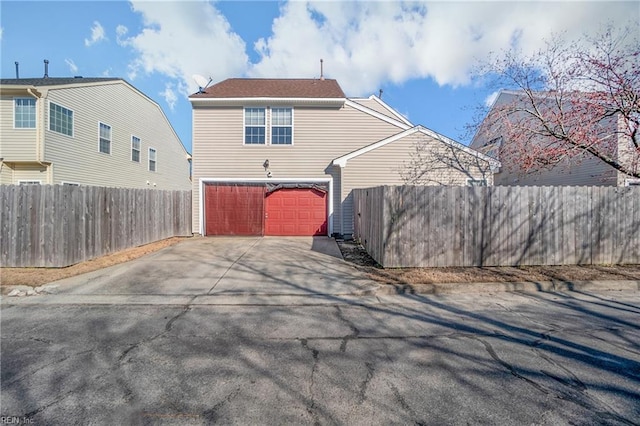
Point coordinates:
[[365, 45], [121, 32], [1, 33], [97, 34], [72, 66], [169, 96], [180, 39]]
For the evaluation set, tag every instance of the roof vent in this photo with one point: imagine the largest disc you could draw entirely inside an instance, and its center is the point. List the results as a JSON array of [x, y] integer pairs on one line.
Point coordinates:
[[17, 70], [321, 70], [77, 76], [46, 68]]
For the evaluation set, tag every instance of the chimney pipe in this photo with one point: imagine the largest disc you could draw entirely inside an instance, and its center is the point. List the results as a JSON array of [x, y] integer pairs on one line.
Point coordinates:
[[17, 70], [46, 68], [380, 94], [321, 70]]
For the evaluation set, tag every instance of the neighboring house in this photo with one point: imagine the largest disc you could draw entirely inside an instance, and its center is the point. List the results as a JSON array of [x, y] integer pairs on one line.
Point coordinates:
[[586, 170], [281, 156], [87, 131]]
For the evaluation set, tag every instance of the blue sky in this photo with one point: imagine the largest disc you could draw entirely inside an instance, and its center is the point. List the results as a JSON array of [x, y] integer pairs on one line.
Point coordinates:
[[421, 54]]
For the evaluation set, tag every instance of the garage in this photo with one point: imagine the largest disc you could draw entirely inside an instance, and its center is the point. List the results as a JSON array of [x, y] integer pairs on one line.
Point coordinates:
[[266, 208], [296, 211], [234, 209]]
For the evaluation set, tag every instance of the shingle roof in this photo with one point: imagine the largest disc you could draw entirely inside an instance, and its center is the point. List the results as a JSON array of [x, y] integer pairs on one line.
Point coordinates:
[[273, 88], [53, 81]]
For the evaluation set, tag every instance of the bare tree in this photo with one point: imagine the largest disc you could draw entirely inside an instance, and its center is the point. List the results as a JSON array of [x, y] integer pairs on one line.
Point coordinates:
[[446, 163], [569, 101]]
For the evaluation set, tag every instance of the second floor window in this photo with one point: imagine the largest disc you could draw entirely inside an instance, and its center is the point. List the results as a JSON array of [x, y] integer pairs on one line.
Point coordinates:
[[152, 160], [135, 149], [254, 126], [60, 119], [281, 126], [105, 138], [24, 112]]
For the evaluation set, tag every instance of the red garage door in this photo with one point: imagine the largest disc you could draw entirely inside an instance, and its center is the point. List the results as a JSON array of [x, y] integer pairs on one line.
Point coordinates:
[[234, 210], [296, 211]]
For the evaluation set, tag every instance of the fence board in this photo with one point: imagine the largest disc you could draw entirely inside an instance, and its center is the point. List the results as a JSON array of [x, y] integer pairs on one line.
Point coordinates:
[[498, 226], [55, 225]]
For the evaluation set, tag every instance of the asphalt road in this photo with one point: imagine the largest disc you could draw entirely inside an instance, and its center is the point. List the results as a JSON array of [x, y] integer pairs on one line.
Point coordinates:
[[502, 359]]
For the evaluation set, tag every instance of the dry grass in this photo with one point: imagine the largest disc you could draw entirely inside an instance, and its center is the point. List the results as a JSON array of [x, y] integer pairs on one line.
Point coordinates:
[[355, 254], [38, 276]]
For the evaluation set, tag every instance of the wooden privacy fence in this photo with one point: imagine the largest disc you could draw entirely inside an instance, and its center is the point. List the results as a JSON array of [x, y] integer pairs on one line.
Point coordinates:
[[424, 226], [56, 225]]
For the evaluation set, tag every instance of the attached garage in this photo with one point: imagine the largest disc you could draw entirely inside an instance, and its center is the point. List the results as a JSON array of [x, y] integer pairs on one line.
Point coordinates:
[[276, 208]]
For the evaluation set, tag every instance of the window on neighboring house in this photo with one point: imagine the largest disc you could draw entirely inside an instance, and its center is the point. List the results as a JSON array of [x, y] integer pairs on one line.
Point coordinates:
[[281, 126], [60, 119], [24, 112], [254, 126], [632, 182], [477, 182], [70, 184], [29, 182], [135, 149], [105, 138], [152, 160]]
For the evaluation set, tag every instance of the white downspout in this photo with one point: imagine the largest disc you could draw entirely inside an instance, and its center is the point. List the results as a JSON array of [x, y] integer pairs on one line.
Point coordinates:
[[39, 134]]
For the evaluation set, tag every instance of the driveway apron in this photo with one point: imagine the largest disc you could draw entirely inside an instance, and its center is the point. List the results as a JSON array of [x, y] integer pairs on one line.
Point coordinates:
[[230, 266]]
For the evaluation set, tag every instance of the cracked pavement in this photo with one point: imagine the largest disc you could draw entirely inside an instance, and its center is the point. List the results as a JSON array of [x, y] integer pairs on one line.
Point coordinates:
[[501, 359], [549, 358]]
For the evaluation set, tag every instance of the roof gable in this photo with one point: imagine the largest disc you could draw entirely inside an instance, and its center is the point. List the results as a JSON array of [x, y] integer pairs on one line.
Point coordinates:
[[342, 161], [273, 88]]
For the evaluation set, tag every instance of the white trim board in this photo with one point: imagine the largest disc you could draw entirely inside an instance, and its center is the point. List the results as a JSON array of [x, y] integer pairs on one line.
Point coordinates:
[[203, 181], [342, 161], [376, 114]]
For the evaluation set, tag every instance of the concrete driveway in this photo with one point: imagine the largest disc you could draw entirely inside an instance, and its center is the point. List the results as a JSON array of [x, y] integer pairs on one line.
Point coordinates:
[[217, 266]]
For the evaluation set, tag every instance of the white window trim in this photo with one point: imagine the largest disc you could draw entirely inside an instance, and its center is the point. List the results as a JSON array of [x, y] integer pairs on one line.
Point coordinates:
[[139, 150], [110, 138], [244, 126], [35, 125], [631, 182], [149, 159], [271, 126], [73, 120], [30, 182]]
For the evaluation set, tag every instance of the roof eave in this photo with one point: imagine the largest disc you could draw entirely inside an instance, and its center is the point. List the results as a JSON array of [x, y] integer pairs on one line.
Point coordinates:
[[204, 101]]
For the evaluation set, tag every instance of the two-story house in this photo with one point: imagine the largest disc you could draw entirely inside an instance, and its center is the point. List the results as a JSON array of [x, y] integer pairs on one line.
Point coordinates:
[[281, 156], [87, 131], [510, 110]]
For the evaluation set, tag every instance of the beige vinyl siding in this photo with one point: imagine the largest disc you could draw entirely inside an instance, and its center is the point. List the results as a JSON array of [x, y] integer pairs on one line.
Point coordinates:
[[6, 174], [78, 158], [376, 106], [16, 144], [320, 134], [30, 172], [382, 166]]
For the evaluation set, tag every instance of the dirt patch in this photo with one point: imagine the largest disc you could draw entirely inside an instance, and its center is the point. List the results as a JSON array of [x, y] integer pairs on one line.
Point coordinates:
[[38, 276], [354, 253]]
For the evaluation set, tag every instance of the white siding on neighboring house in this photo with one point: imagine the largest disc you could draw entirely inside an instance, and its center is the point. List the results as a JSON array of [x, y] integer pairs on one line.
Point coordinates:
[[127, 112], [320, 135]]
